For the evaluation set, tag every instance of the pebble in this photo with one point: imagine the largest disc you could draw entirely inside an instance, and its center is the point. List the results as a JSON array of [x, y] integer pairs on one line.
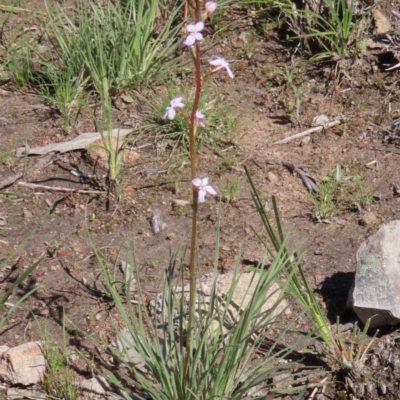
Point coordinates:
[[180, 203], [26, 213], [368, 218], [271, 177], [339, 221], [4, 121]]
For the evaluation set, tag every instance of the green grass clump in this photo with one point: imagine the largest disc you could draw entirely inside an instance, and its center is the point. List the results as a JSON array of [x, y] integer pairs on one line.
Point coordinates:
[[116, 46], [334, 31], [58, 380], [340, 193]]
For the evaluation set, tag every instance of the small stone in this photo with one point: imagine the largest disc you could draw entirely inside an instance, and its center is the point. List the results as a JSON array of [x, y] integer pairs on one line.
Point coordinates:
[[130, 156], [321, 119], [129, 353], [156, 221], [339, 221], [112, 250], [369, 218], [382, 23], [62, 253], [26, 213], [179, 203], [4, 121], [96, 385], [282, 381], [44, 313], [271, 177]]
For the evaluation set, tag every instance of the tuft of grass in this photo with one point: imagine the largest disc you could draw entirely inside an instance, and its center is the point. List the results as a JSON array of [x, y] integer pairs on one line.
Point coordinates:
[[341, 193], [331, 199], [65, 92], [234, 354], [5, 314], [230, 189], [116, 46], [348, 354], [19, 65], [58, 379], [363, 195], [335, 31]]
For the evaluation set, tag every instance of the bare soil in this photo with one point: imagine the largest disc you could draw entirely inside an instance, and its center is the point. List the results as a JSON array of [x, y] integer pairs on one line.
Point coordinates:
[[69, 277]]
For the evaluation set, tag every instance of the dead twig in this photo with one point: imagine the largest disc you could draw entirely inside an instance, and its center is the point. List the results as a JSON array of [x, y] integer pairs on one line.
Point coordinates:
[[312, 130], [308, 181], [16, 10], [58, 188], [11, 179]]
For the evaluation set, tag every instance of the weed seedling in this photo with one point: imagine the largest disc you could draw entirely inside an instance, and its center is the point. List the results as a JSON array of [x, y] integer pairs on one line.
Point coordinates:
[[331, 198], [230, 189]]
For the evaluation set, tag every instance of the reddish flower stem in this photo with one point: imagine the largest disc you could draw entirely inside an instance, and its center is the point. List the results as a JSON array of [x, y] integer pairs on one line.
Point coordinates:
[[192, 147]]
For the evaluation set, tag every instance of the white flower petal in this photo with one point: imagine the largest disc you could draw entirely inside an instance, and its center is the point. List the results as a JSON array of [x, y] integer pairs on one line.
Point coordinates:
[[169, 113], [204, 181], [198, 36], [199, 26], [218, 62], [202, 195], [177, 102], [189, 40], [197, 182], [210, 190], [229, 71], [190, 28]]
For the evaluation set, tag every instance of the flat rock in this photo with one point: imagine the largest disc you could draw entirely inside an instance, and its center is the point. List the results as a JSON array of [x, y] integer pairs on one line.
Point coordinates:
[[96, 385], [23, 365], [376, 290]]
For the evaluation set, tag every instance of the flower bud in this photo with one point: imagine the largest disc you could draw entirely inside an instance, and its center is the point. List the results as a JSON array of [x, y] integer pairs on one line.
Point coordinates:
[[210, 7]]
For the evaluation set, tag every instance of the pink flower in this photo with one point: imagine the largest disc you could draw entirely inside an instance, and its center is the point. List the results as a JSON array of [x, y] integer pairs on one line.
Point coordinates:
[[210, 7], [203, 188], [219, 63], [174, 106], [200, 119], [194, 33]]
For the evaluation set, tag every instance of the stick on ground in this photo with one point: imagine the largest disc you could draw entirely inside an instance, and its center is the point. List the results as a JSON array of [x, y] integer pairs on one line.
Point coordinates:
[[312, 130], [58, 188]]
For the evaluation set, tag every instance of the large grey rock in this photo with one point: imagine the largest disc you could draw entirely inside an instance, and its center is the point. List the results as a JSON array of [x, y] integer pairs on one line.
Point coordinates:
[[376, 290]]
